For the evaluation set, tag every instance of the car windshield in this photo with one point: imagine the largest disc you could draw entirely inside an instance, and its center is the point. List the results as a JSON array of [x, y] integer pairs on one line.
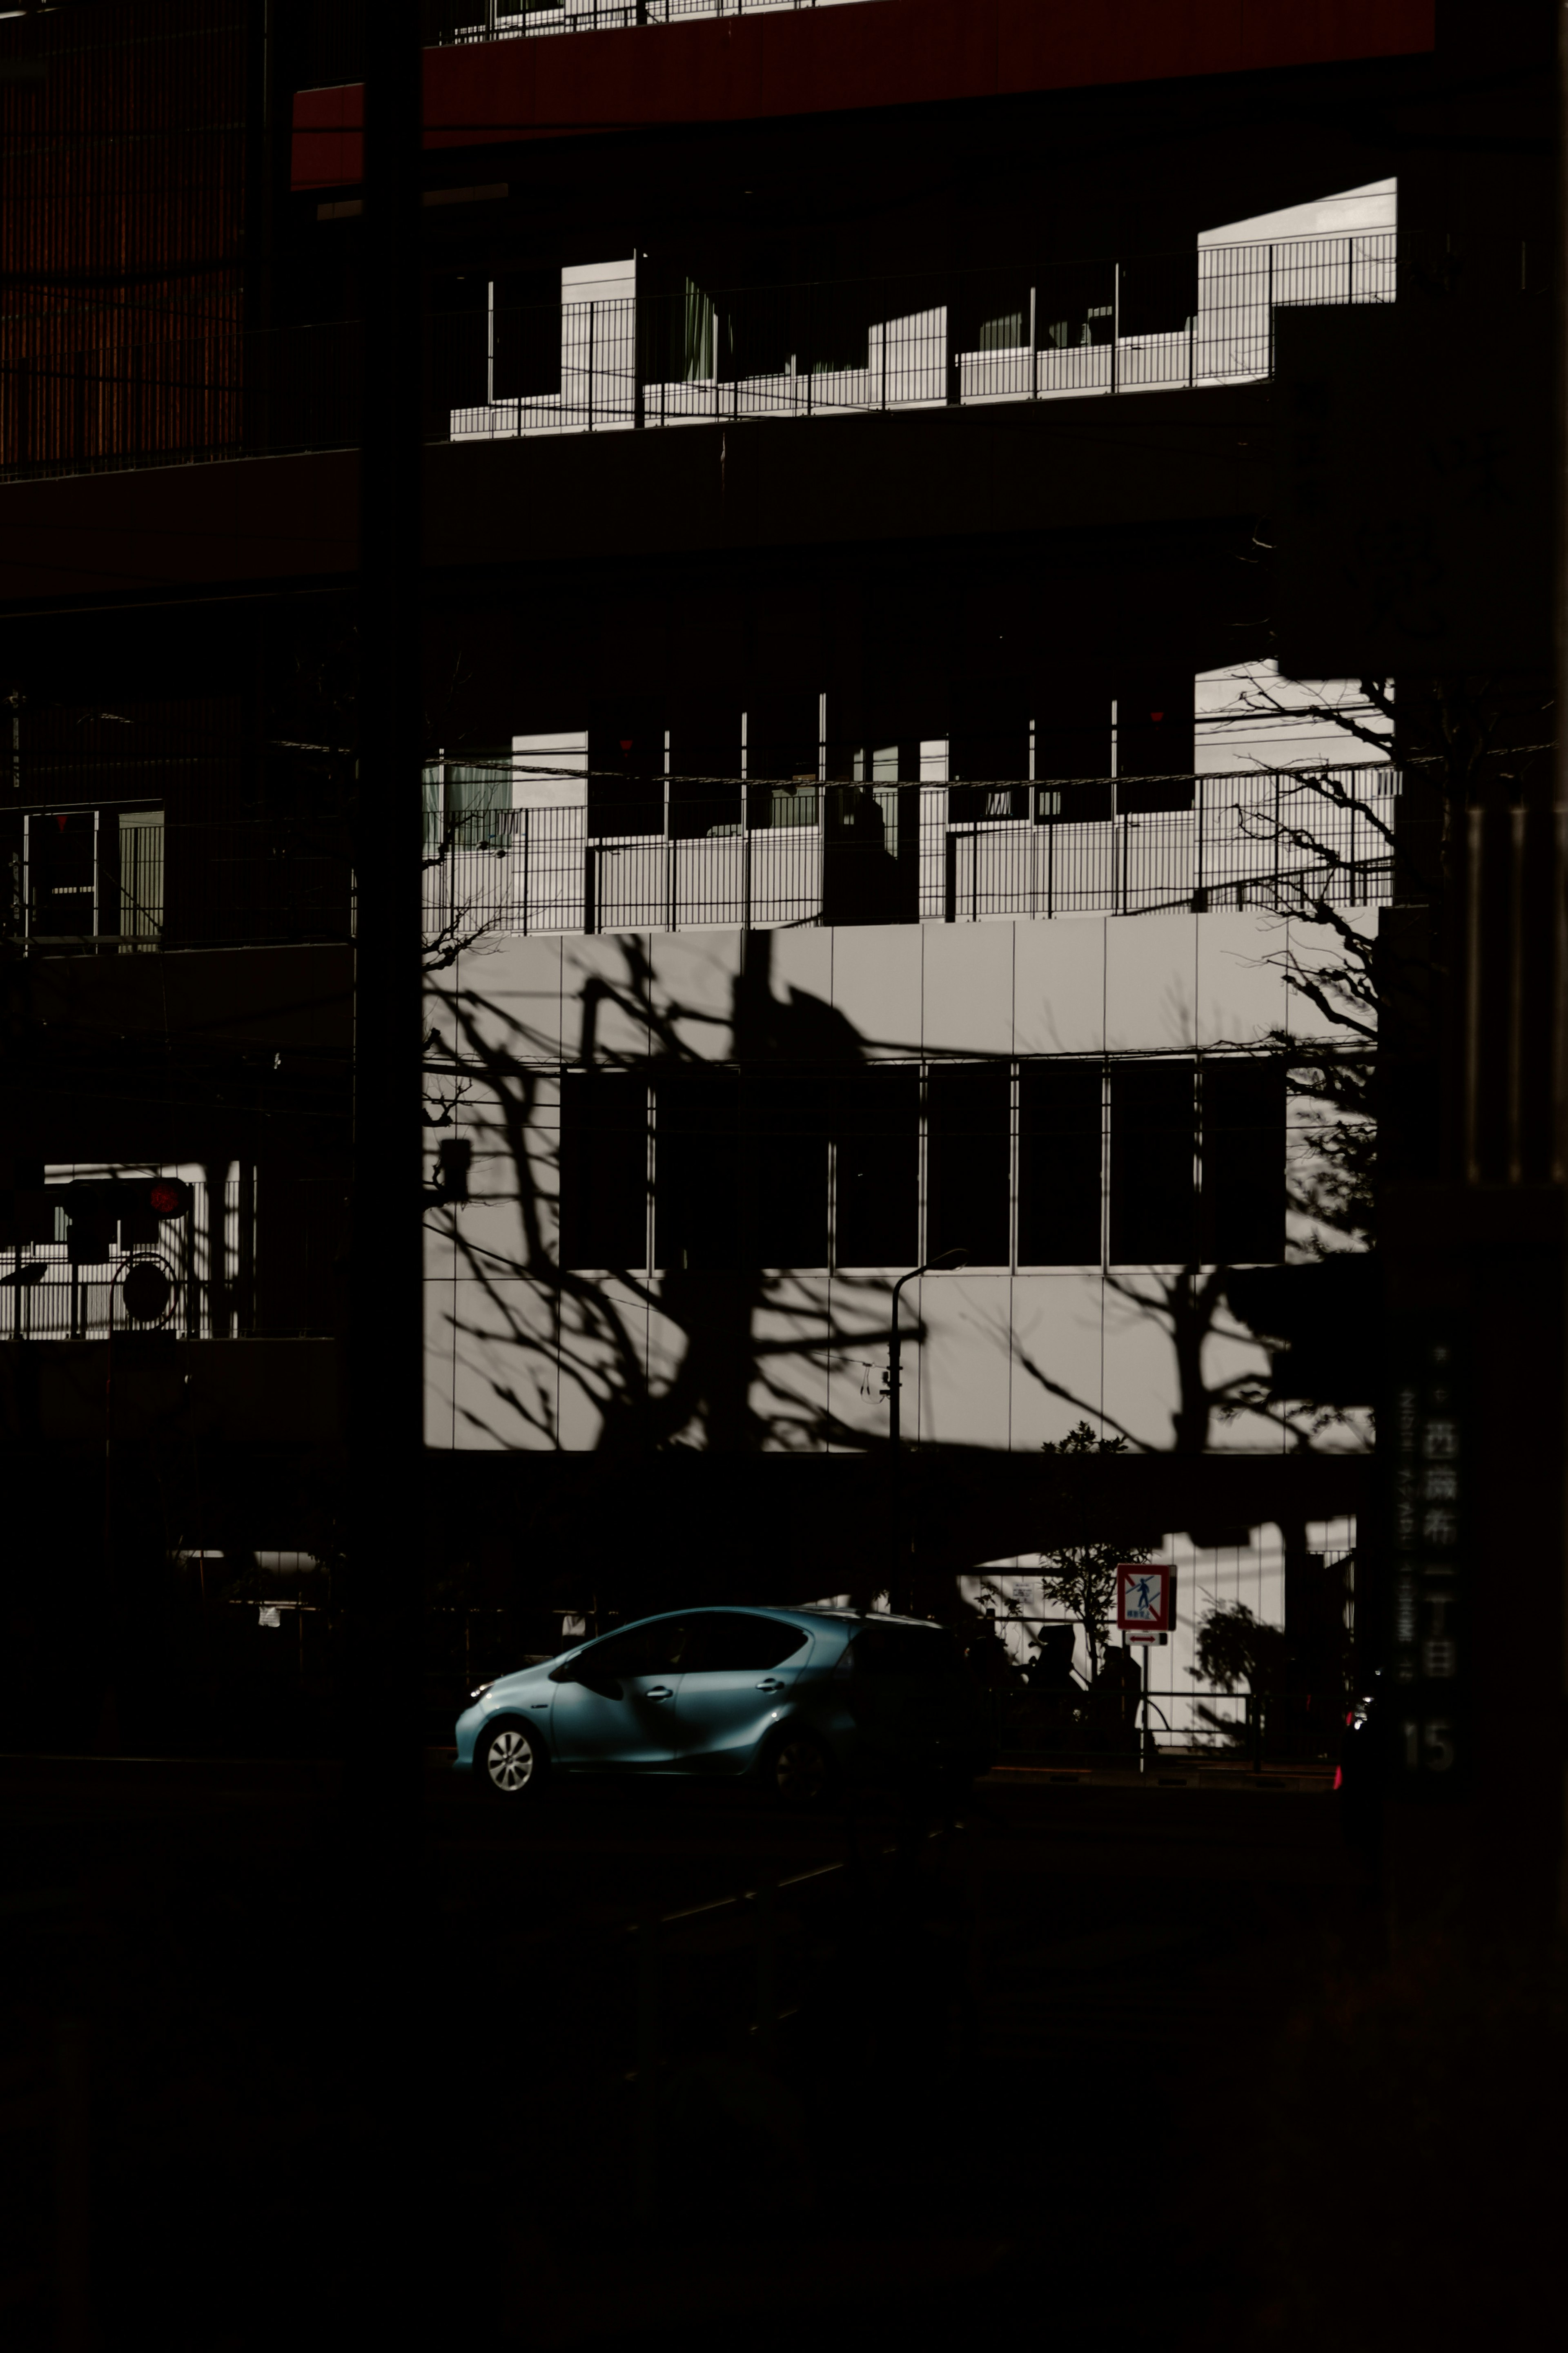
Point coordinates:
[[927, 1651]]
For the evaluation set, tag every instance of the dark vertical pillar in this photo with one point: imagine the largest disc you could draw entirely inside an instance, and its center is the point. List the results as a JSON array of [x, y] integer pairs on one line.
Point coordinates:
[[385, 1433], [377, 1964], [1470, 1439]]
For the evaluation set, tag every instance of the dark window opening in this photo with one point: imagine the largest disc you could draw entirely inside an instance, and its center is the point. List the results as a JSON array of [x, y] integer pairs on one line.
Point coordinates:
[[697, 1169], [877, 1133], [1060, 1145], [1075, 303], [1154, 739], [626, 766], [460, 341], [1072, 730], [603, 1169], [1154, 1138], [1157, 293], [526, 331], [968, 1161], [787, 1124], [1244, 1161], [782, 738]]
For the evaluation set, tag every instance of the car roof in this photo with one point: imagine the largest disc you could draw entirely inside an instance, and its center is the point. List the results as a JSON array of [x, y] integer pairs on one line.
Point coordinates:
[[801, 1613]]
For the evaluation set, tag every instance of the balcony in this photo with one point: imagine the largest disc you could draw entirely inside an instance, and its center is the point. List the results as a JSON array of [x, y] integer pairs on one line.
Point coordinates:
[[770, 856], [198, 1276], [115, 879], [461, 21], [639, 361]]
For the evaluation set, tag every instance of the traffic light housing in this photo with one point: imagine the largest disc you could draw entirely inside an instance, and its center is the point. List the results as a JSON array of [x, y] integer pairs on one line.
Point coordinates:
[[1323, 1321], [104, 1209]]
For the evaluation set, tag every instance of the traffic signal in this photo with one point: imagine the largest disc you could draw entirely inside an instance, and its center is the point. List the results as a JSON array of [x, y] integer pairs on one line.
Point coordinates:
[[1324, 1321], [101, 1208]]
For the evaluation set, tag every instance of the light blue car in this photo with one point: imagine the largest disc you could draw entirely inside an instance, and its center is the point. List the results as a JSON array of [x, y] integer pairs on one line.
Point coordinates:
[[795, 1699]]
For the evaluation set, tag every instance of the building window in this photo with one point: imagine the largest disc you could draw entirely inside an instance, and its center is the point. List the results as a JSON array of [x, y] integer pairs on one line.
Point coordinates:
[[1242, 1160], [877, 1135], [468, 801], [603, 1169], [786, 1122], [697, 1188], [1060, 1160], [1153, 1145], [968, 1161]]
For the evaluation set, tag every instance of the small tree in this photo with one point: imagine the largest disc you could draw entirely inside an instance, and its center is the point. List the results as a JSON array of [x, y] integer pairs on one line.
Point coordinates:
[[1081, 1578], [1235, 1648]]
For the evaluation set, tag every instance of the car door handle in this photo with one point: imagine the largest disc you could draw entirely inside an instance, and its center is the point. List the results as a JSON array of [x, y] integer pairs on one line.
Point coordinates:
[[770, 1682], [659, 1691]]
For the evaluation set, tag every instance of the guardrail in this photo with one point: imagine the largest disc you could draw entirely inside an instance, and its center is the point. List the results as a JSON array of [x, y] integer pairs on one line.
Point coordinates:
[[747, 854], [644, 358], [195, 1277], [461, 21], [760, 857]]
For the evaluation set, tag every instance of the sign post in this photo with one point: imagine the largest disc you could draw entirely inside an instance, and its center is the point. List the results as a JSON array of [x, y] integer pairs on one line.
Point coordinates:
[[1145, 1614]]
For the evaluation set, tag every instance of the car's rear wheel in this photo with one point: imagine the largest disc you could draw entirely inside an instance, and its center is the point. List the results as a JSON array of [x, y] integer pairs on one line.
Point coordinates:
[[800, 1772], [510, 1761]]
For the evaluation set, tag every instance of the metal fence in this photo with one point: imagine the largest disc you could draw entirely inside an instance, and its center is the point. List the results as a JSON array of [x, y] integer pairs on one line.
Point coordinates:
[[109, 879], [511, 20], [646, 359], [849, 853], [1165, 321], [740, 854], [227, 1271]]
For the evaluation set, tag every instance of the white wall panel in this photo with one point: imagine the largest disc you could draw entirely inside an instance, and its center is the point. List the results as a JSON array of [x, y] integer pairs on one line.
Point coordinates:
[[967, 988], [1141, 1385], [1241, 978], [858, 1355], [603, 1358], [505, 1389], [1150, 983], [876, 985], [619, 967], [792, 1340], [1058, 987], [965, 1375], [510, 994], [1315, 944], [694, 993], [1055, 1372]]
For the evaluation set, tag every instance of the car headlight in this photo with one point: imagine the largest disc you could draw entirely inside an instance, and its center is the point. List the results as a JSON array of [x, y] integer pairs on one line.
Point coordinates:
[[478, 1692]]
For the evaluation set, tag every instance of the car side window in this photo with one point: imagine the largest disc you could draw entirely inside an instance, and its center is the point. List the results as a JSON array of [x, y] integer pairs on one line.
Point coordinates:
[[654, 1648], [726, 1641], [928, 1652]]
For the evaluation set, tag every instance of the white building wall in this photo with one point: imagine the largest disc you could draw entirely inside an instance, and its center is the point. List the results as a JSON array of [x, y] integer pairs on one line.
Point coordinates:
[[1007, 1358]]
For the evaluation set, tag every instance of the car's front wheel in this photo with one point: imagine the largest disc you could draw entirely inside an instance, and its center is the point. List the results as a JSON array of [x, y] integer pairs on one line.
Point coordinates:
[[800, 1772], [510, 1761]]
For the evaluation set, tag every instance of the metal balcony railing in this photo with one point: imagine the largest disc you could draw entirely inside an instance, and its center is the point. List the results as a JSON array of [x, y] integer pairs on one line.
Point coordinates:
[[637, 360], [111, 879], [511, 20], [764, 856], [223, 1274], [694, 853]]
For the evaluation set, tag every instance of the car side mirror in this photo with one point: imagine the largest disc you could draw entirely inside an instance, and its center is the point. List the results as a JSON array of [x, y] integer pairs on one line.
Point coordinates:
[[566, 1672]]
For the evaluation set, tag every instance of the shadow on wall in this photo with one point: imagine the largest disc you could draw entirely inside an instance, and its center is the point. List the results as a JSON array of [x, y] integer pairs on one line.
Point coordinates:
[[734, 1334]]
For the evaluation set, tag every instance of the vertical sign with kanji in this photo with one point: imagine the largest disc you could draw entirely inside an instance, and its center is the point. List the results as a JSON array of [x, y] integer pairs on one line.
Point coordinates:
[[1426, 1749]]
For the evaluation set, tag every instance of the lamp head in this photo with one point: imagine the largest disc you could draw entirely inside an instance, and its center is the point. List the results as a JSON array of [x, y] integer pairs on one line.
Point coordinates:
[[950, 1258]]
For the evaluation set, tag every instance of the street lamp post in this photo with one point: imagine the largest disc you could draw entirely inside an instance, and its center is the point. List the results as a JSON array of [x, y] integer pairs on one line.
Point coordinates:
[[897, 1564]]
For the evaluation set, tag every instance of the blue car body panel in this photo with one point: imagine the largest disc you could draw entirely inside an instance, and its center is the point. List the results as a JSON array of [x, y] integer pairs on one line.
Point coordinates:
[[719, 1720]]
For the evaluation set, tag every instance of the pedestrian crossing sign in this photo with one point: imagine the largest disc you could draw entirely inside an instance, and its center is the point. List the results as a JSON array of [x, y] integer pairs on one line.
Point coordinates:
[[1145, 1596]]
